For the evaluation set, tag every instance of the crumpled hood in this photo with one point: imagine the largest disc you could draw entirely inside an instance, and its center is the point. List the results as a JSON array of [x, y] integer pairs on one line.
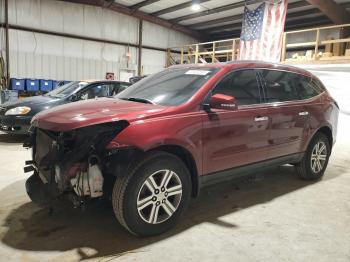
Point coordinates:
[[95, 111]]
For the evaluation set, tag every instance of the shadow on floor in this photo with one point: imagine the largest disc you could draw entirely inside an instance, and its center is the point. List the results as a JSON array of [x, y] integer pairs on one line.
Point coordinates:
[[9, 138], [30, 228]]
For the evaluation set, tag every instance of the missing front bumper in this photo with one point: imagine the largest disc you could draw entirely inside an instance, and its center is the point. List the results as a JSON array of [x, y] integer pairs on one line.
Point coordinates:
[[62, 160], [40, 193]]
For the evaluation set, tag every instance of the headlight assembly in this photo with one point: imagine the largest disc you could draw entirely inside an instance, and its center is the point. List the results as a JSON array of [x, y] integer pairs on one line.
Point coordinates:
[[21, 110]]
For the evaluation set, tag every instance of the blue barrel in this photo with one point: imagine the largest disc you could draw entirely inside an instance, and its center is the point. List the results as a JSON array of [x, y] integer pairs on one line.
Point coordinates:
[[32, 84], [45, 85], [17, 84]]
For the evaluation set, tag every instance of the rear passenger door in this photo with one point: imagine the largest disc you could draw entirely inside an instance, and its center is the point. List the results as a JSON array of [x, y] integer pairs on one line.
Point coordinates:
[[287, 113]]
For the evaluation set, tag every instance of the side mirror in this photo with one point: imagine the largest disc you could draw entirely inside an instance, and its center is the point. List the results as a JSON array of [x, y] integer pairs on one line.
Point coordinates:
[[220, 101]]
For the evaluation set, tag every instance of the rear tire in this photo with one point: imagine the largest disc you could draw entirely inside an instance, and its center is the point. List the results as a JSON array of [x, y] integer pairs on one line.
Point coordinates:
[[153, 195], [315, 160]]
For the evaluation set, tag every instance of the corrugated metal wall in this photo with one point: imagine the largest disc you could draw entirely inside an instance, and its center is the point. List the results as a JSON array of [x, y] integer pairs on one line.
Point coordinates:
[[45, 56]]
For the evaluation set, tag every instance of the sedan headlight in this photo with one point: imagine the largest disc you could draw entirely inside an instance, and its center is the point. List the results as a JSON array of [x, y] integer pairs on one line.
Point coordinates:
[[21, 110]]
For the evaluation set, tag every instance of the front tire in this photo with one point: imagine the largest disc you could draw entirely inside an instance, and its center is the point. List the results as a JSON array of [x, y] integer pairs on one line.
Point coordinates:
[[315, 160], [153, 195]]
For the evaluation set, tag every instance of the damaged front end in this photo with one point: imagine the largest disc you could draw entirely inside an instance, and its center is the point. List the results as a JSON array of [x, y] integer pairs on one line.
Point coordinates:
[[72, 163]]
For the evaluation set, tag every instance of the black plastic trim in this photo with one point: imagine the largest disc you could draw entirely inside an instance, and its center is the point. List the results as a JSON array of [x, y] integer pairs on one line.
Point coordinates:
[[240, 171]]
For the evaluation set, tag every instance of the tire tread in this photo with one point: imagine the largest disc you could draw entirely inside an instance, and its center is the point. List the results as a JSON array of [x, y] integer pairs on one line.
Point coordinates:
[[122, 182], [302, 169]]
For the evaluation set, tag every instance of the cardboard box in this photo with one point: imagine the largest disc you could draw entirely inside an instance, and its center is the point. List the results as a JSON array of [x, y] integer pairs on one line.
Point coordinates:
[[338, 49], [309, 54], [295, 56], [347, 52], [327, 54], [329, 47]]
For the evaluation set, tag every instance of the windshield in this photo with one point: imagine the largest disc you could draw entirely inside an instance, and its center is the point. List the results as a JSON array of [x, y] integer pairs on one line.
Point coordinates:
[[66, 89], [170, 87]]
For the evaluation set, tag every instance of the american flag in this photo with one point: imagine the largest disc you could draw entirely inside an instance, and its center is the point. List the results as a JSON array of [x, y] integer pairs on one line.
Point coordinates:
[[262, 32]]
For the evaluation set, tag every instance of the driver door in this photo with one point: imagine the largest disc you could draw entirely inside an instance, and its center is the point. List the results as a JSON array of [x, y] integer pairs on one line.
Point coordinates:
[[233, 138]]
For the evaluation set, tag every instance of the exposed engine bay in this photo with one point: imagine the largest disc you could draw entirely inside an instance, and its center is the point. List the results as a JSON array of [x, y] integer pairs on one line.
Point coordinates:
[[74, 163]]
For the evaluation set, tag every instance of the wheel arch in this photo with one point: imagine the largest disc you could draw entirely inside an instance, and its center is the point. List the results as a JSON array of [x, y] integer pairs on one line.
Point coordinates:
[[324, 129], [327, 131], [188, 160]]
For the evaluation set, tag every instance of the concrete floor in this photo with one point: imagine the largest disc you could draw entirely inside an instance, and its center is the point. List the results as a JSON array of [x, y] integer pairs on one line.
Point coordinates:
[[271, 217]]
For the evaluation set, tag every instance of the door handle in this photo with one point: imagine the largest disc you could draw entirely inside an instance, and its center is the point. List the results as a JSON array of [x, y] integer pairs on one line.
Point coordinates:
[[304, 113], [261, 118]]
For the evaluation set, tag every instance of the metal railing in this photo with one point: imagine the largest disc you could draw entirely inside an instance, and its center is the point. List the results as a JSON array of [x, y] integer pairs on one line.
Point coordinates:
[[321, 47]]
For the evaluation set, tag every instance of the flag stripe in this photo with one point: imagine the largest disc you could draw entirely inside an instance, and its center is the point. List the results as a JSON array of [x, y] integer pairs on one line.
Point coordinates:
[[262, 31]]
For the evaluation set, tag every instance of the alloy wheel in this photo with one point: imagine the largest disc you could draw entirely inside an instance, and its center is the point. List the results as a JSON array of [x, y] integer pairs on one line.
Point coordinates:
[[318, 157], [159, 196]]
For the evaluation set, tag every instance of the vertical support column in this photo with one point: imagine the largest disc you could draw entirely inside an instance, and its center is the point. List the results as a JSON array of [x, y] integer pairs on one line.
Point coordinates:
[[196, 55], [284, 47], [213, 54], [233, 58], [344, 32], [7, 81], [139, 63], [182, 56], [170, 59], [317, 42]]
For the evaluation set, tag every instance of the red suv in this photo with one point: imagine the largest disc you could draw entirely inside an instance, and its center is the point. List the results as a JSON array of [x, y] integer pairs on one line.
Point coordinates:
[[154, 145]]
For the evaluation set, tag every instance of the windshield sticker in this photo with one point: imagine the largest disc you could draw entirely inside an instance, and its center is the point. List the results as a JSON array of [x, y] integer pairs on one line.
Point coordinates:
[[197, 72]]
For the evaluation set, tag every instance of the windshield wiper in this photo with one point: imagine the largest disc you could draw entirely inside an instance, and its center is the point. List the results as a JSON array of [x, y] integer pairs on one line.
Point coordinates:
[[141, 100]]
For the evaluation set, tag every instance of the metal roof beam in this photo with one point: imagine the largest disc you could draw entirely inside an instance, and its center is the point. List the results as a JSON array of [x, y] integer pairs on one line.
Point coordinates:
[[239, 17], [217, 21], [235, 26], [290, 15], [208, 12], [175, 8], [142, 4], [335, 12], [140, 15], [228, 7]]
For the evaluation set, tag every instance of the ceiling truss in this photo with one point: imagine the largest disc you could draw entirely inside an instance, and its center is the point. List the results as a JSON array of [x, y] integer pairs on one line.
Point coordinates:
[[301, 14]]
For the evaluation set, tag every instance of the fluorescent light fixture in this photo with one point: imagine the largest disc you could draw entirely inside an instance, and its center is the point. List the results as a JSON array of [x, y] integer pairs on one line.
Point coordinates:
[[195, 5]]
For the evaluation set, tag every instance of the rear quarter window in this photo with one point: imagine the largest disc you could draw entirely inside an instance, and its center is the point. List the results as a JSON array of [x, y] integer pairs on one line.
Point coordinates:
[[308, 87]]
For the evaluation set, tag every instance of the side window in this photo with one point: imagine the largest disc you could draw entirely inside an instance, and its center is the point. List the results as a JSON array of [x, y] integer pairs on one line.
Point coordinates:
[[242, 85], [118, 87], [123, 86], [101, 90], [279, 86], [115, 89], [307, 88], [318, 85]]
